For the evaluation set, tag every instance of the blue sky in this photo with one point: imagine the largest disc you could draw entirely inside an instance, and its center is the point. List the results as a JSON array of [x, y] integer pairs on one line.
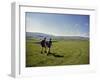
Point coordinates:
[[58, 24]]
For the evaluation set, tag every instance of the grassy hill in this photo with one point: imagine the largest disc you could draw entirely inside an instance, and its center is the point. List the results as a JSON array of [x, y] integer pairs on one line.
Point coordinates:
[[74, 52]]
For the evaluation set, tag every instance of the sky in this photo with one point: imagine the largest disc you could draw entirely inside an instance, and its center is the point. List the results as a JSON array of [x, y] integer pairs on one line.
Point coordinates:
[[57, 24]]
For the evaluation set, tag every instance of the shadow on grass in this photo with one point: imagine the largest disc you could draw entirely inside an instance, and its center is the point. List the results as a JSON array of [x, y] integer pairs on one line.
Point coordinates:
[[55, 55]]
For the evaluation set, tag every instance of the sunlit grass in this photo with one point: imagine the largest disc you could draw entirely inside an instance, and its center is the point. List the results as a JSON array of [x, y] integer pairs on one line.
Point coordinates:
[[74, 52]]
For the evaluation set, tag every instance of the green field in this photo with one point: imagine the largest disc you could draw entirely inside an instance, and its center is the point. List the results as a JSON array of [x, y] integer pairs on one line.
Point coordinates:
[[74, 52]]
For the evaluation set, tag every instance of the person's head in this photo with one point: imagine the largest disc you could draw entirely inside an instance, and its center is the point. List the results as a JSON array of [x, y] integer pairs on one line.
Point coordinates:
[[50, 39], [45, 38]]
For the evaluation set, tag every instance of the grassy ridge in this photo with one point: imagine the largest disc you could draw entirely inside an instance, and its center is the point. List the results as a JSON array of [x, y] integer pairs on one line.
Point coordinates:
[[74, 52]]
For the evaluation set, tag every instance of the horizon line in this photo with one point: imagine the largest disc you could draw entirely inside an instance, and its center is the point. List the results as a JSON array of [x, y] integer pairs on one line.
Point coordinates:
[[61, 35]]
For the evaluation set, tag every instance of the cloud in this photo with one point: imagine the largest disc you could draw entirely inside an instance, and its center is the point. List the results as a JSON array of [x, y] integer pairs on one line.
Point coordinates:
[[53, 26]]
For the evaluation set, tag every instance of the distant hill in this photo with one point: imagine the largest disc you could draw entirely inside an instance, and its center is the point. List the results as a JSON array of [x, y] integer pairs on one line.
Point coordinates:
[[71, 38], [38, 35]]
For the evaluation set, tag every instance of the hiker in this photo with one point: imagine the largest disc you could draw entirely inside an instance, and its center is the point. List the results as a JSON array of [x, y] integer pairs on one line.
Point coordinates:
[[43, 44], [49, 44]]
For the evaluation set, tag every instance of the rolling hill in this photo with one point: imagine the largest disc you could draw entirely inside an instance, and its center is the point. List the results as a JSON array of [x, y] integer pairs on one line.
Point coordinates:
[[38, 35]]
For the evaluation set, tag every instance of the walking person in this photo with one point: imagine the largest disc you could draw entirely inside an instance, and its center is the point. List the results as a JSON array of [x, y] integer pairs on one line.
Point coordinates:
[[43, 45], [49, 45]]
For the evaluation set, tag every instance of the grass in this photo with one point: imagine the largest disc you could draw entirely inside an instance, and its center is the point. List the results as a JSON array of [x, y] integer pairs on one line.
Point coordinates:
[[74, 51]]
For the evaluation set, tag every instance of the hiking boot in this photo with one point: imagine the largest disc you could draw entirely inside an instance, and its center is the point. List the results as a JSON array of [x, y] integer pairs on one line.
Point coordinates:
[[45, 51], [41, 52]]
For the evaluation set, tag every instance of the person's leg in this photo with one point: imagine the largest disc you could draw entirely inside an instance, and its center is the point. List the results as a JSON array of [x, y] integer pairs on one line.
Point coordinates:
[[49, 50], [45, 50], [42, 50]]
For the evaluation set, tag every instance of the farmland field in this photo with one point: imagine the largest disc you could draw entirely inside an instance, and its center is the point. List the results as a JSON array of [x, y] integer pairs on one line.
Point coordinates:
[[74, 52]]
